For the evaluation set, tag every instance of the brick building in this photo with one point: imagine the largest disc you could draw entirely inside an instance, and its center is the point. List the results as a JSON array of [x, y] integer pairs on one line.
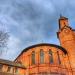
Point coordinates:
[[45, 58]]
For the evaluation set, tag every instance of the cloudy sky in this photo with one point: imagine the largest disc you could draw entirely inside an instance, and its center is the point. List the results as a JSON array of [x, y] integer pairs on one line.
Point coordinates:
[[32, 21]]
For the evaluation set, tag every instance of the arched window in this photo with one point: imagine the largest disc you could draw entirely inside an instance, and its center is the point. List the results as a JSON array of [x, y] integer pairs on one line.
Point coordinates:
[[50, 56], [41, 56], [9, 69], [33, 57], [59, 61]]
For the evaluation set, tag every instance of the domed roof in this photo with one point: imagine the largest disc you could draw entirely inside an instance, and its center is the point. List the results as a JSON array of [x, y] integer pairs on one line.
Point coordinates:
[[43, 44]]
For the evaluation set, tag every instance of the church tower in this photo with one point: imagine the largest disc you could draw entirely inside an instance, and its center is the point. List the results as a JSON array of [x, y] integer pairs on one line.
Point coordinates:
[[66, 36]]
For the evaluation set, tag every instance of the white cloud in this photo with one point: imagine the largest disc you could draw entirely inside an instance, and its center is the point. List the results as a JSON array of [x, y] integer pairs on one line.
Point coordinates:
[[32, 21], [13, 47]]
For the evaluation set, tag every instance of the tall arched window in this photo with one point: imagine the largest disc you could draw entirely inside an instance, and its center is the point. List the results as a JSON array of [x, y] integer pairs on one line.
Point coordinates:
[[33, 57], [59, 61], [50, 56], [41, 56]]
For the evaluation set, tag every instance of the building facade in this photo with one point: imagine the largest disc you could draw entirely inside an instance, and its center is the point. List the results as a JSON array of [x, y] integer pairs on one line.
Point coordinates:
[[45, 58], [11, 68]]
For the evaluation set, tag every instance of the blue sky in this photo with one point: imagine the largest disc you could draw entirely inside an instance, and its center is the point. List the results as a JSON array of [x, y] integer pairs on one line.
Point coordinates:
[[32, 21]]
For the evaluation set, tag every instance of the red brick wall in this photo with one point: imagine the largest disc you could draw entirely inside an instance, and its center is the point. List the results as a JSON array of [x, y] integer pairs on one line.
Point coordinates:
[[67, 40], [25, 58]]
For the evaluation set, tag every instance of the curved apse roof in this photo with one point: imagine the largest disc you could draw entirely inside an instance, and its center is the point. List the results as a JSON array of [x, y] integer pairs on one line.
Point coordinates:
[[44, 44]]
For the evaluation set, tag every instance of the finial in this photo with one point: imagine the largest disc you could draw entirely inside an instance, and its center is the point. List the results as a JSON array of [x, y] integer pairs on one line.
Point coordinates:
[[60, 15]]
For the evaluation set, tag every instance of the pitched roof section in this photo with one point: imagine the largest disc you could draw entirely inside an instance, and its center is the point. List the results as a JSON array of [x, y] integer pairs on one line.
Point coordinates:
[[11, 63], [43, 44]]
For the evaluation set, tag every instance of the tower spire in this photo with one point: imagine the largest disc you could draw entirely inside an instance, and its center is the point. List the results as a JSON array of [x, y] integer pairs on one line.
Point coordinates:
[[67, 39], [63, 21]]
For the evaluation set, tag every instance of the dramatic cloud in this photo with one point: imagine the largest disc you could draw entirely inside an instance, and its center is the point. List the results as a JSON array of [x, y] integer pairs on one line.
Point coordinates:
[[32, 21]]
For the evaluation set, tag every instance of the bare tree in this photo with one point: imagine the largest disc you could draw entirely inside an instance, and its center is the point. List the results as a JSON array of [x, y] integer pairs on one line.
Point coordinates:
[[3, 40]]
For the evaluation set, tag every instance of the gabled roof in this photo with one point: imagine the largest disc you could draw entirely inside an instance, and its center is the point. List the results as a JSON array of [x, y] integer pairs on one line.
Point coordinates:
[[43, 44]]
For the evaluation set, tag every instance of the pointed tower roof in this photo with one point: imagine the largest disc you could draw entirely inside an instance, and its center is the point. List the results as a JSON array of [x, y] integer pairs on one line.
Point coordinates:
[[62, 17]]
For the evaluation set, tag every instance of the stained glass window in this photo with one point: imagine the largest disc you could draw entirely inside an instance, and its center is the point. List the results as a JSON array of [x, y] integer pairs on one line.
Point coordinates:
[[50, 56], [33, 57], [41, 56]]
